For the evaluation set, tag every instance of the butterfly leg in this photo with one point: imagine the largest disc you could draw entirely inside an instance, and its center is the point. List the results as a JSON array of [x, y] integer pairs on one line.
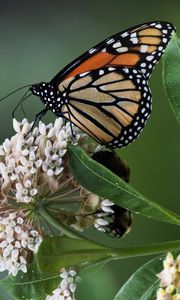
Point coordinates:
[[68, 111], [22, 108], [38, 117], [21, 104], [73, 135]]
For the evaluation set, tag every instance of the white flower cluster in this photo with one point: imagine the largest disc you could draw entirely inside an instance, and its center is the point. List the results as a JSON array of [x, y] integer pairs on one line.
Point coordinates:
[[101, 222], [32, 157], [67, 286], [17, 241], [170, 279]]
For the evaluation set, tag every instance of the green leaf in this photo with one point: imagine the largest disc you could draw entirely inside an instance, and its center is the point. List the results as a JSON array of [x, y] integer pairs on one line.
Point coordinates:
[[171, 74], [143, 284], [63, 252], [3, 294], [101, 181], [31, 285]]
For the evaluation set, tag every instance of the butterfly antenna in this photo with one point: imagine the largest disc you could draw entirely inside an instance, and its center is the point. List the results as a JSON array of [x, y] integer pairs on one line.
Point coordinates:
[[15, 91]]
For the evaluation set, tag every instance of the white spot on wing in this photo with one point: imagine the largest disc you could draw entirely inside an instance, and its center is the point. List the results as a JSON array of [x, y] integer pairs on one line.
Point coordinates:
[[134, 40], [143, 71], [110, 41], [143, 48], [92, 50], [150, 57], [159, 26], [117, 45], [134, 71], [101, 72], [122, 49], [124, 34], [111, 69], [126, 70], [83, 74], [164, 40]]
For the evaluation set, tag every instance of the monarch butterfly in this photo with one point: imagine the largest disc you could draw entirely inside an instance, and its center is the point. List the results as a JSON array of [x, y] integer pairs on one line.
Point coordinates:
[[105, 91]]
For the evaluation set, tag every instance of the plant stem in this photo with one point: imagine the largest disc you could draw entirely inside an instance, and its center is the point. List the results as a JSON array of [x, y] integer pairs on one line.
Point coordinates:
[[61, 227]]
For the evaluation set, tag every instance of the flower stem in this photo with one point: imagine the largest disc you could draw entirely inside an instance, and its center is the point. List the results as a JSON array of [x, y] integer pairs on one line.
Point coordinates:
[[61, 227]]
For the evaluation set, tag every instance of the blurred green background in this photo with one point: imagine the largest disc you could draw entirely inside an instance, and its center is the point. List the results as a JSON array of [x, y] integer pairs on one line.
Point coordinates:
[[37, 38]]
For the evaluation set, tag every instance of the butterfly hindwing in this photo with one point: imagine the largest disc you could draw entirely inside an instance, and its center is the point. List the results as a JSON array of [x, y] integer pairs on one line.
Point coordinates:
[[111, 104], [139, 47]]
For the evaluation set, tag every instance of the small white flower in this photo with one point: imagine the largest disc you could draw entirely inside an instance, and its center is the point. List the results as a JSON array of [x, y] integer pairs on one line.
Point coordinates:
[[7, 251], [42, 128], [58, 124], [51, 133], [17, 229], [17, 244], [23, 268], [16, 125], [33, 192], [7, 146], [14, 254], [27, 184], [106, 206], [107, 202], [72, 287], [50, 173], [24, 127], [170, 279], [67, 286], [14, 244], [3, 244], [100, 224], [72, 272]]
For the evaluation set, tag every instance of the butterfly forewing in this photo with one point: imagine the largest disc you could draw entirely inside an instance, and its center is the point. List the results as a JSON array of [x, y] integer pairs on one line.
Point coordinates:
[[110, 104], [139, 47]]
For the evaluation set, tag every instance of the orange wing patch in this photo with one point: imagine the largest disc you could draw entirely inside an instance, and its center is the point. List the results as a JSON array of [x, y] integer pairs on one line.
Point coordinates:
[[125, 59], [103, 59], [94, 62]]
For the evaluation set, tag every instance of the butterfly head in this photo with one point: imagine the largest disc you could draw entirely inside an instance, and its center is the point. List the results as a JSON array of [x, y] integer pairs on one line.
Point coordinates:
[[49, 95]]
